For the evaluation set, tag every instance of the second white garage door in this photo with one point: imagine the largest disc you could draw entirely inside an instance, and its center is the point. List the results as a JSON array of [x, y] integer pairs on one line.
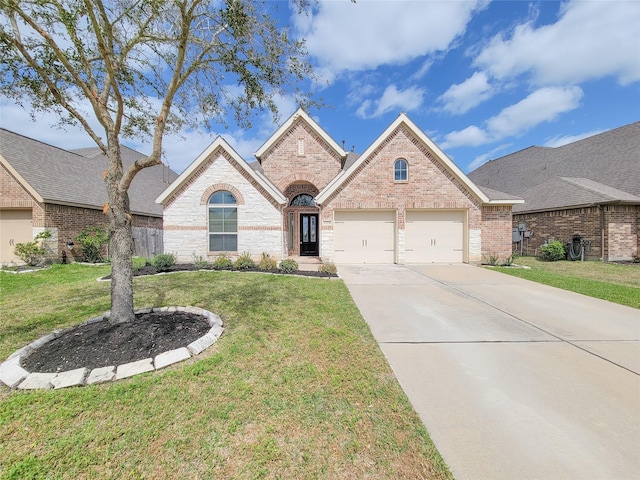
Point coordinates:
[[434, 236], [364, 237]]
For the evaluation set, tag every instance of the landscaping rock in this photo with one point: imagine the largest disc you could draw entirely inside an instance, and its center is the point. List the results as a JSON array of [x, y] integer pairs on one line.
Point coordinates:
[[134, 368], [169, 358], [37, 381], [101, 375], [70, 378]]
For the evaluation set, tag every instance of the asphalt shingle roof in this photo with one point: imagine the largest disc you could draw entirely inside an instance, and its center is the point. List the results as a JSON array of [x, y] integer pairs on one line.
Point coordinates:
[[601, 168], [76, 177]]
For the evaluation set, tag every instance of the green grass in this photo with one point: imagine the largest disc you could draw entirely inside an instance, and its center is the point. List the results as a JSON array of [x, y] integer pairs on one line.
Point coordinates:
[[295, 388], [607, 281]]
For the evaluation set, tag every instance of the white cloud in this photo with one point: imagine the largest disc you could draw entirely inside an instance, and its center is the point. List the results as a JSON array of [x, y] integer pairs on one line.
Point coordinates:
[[559, 141], [543, 105], [392, 99], [591, 39], [346, 36], [462, 97], [470, 136]]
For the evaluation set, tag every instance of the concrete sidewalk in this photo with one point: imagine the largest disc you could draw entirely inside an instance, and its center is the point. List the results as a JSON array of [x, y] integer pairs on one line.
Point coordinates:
[[512, 379]]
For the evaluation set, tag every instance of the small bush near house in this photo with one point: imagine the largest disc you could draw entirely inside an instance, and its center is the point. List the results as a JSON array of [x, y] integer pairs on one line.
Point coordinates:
[[328, 268], [636, 257], [507, 262], [288, 266], [92, 240], [163, 261], [245, 262], [493, 260], [553, 251], [267, 263], [33, 253], [200, 262], [222, 262], [139, 262]]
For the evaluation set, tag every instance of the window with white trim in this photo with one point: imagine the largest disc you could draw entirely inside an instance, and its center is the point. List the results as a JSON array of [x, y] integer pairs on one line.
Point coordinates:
[[223, 222], [400, 170]]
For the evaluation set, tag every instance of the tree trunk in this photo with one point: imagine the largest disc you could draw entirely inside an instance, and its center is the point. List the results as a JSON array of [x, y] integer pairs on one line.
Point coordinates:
[[121, 268], [120, 219]]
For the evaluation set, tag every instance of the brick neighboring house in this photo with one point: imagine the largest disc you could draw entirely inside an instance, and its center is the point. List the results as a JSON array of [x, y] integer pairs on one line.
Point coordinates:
[[401, 201], [589, 189], [43, 187]]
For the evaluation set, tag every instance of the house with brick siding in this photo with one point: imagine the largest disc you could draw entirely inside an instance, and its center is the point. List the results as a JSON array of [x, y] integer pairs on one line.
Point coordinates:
[[585, 194], [43, 187], [400, 201]]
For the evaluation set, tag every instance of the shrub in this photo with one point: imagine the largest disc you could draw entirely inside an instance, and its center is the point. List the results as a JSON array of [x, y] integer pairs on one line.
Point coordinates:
[[245, 262], [267, 263], [507, 262], [163, 261], [139, 262], [553, 251], [92, 240], [199, 261], [222, 262], [288, 265], [328, 268], [33, 253], [636, 257], [493, 260]]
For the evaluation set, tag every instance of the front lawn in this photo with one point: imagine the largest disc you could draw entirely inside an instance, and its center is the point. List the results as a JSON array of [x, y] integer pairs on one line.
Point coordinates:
[[295, 388], [619, 283]]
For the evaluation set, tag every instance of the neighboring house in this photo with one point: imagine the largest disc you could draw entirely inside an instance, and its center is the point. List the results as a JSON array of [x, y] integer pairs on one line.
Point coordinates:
[[401, 201], [588, 190], [43, 187]]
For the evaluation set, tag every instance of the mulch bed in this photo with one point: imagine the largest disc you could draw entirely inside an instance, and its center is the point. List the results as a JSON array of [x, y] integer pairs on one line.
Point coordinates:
[[190, 267], [102, 344]]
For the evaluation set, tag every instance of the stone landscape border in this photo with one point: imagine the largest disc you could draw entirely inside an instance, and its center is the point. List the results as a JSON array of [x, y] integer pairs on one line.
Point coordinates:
[[14, 376]]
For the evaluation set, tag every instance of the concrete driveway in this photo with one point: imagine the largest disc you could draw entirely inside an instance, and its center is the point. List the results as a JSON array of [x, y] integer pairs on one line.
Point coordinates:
[[513, 380]]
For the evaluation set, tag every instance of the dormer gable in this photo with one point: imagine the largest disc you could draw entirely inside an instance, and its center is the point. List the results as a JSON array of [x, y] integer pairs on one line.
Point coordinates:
[[300, 150]]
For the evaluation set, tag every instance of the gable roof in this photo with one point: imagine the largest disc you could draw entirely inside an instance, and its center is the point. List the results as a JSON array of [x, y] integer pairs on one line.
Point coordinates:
[[75, 178], [489, 197], [299, 115], [604, 168], [220, 142]]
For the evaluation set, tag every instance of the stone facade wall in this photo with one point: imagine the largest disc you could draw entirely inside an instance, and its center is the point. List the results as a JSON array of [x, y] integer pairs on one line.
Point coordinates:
[[186, 214], [617, 224], [429, 186], [318, 164]]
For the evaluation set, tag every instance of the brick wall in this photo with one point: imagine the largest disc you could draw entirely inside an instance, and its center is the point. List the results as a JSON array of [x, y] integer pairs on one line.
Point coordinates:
[[318, 165], [618, 223], [430, 186]]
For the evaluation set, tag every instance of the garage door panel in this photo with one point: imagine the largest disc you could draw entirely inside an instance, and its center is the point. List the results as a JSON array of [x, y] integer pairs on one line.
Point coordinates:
[[432, 237], [364, 236], [15, 227]]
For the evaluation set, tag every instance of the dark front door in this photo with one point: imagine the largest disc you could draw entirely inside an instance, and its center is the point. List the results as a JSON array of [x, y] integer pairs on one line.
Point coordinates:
[[309, 234]]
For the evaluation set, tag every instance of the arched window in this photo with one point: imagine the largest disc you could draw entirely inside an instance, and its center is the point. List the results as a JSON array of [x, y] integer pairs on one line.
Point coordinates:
[[303, 200], [223, 222], [400, 170]]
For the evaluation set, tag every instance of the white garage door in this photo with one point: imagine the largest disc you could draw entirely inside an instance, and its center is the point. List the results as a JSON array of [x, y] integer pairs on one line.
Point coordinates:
[[434, 236], [15, 227], [364, 237]]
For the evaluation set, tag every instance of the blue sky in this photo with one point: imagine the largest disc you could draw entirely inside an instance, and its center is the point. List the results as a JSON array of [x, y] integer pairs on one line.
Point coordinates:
[[482, 79]]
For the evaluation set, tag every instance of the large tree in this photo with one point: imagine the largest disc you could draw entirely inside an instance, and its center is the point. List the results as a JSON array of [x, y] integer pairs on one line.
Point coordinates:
[[143, 68]]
